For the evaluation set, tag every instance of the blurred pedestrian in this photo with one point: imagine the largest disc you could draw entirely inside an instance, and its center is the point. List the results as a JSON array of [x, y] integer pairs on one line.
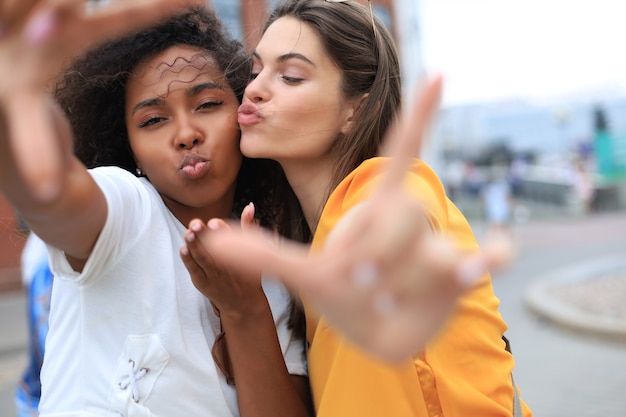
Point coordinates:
[[583, 184], [497, 200]]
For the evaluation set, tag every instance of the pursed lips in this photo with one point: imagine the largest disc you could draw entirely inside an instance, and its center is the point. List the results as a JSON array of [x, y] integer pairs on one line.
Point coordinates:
[[248, 114], [194, 166]]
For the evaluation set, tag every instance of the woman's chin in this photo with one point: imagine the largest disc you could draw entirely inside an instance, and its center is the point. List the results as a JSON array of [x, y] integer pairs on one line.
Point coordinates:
[[252, 148]]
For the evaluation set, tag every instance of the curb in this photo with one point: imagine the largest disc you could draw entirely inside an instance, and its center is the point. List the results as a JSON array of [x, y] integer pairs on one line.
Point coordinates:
[[541, 299]]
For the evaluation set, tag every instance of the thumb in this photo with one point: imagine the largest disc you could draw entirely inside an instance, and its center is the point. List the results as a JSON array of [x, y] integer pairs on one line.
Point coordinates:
[[247, 218], [497, 252]]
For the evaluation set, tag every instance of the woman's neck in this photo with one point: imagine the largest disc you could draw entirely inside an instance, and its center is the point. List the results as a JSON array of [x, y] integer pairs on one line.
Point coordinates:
[[310, 183], [222, 209]]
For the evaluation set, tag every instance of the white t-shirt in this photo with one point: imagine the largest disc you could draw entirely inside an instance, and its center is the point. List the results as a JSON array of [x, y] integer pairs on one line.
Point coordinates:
[[131, 335]]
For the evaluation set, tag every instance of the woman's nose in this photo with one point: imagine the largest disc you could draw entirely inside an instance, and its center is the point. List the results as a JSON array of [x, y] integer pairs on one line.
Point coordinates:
[[188, 134], [257, 90]]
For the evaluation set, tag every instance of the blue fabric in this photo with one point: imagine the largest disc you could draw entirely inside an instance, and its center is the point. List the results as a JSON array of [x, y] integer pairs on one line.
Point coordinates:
[[38, 304]]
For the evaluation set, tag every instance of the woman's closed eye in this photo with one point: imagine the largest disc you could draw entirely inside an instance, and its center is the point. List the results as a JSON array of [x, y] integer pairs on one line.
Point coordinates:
[[150, 121], [289, 79], [292, 80], [210, 104]]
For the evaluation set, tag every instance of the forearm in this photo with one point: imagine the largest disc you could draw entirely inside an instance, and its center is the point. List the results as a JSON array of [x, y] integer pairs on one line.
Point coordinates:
[[264, 386], [73, 217]]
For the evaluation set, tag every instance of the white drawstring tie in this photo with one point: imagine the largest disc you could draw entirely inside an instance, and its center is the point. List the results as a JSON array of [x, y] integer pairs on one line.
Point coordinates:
[[132, 378]]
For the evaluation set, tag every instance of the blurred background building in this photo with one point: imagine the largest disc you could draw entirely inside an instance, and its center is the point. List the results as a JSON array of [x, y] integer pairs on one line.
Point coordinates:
[[536, 84]]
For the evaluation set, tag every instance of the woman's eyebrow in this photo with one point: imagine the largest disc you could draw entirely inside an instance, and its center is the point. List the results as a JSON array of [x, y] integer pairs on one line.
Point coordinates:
[[287, 56], [148, 103], [192, 91]]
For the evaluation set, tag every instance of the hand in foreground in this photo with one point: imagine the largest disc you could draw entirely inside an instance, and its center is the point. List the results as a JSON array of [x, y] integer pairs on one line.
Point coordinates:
[[37, 37], [383, 278]]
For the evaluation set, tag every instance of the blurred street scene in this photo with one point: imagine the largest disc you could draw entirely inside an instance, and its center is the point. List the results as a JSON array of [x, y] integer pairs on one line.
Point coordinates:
[[548, 166]]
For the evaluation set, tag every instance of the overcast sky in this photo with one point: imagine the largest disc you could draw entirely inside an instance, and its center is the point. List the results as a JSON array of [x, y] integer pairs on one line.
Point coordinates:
[[491, 49]]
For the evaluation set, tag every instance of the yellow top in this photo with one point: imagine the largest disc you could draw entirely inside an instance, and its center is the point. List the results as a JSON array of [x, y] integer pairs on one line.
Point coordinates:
[[464, 372]]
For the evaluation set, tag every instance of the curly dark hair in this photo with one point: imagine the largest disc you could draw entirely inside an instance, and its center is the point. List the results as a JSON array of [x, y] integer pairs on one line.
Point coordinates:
[[92, 93]]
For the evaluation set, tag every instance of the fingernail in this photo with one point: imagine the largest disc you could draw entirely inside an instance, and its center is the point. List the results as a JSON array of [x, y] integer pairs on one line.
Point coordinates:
[[40, 26], [195, 226], [252, 210], [365, 275], [184, 251], [470, 271], [213, 224], [190, 237]]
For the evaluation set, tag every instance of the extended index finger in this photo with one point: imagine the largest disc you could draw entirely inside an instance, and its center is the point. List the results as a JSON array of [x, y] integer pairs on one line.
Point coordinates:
[[404, 142]]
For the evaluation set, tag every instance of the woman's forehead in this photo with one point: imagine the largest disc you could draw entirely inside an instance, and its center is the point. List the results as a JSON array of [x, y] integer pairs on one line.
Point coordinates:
[[177, 58], [174, 69], [288, 35]]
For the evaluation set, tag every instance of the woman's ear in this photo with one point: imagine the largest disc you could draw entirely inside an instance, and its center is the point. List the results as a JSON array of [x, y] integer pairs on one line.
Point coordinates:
[[351, 109]]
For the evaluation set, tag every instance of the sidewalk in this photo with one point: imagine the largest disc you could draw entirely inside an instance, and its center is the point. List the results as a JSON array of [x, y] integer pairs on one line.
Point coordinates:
[[589, 295], [565, 364], [586, 295]]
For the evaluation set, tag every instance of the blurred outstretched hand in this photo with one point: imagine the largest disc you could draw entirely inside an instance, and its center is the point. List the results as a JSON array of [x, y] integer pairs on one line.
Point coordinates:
[[37, 37], [384, 278]]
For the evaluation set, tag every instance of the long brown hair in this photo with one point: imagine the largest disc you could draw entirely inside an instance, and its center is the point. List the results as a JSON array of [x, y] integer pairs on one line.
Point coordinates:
[[368, 60]]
